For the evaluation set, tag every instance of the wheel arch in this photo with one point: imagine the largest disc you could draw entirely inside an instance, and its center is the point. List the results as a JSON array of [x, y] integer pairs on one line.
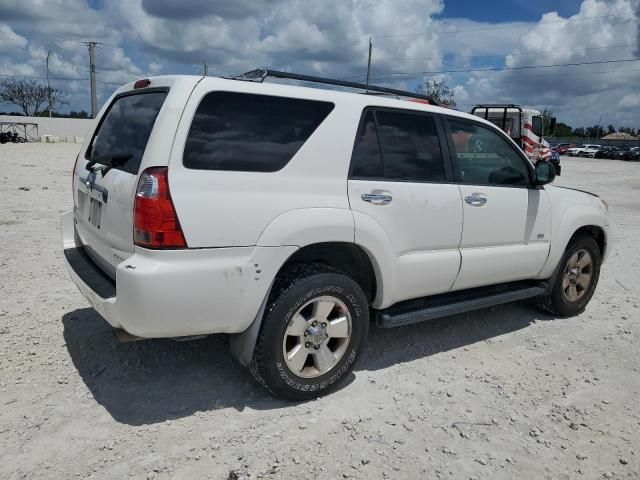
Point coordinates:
[[348, 258], [598, 234]]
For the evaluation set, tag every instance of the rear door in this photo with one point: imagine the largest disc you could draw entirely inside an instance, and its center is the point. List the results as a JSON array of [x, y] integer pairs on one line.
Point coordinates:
[[105, 182], [507, 223], [401, 178]]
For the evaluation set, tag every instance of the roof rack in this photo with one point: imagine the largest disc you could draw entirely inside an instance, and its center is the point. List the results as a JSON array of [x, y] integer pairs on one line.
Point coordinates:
[[497, 105], [260, 74]]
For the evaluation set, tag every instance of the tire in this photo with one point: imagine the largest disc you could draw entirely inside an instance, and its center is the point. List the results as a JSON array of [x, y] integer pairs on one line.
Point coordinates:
[[561, 300], [301, 295]]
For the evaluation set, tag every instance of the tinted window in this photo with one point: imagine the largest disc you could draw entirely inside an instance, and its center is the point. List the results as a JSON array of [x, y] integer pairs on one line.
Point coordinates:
[[253, 133], [366, 161], [537, 125], [485, 157], [125, 129], [410, 147]]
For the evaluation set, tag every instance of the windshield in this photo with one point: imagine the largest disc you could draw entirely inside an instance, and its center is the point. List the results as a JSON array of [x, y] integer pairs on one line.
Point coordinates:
[[122, 135]]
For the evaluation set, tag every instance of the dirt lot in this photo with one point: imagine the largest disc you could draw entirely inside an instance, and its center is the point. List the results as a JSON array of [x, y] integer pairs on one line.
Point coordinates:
[[501, 393]]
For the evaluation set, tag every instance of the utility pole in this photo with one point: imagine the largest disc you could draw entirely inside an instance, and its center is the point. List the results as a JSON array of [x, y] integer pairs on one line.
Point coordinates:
[[48, 84], [92, 74], [369, 61], [206, 69]]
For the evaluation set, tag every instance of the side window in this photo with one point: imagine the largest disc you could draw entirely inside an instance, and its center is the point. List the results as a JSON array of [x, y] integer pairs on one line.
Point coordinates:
[[485, 158], [250, 133], [410, 147], [366, 160]]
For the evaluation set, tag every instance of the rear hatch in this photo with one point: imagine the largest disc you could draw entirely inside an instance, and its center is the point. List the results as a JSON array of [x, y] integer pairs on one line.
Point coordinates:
[[105, 180]]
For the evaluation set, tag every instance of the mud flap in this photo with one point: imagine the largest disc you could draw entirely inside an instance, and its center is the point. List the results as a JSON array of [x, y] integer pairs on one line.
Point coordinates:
[[243, 344]]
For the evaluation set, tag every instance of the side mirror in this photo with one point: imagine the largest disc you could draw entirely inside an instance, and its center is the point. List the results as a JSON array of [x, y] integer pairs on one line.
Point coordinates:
[[545, 172], [552, 126]]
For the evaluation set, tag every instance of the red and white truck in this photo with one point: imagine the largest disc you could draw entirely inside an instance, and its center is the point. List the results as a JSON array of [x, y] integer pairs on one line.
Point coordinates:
[[524, 125]]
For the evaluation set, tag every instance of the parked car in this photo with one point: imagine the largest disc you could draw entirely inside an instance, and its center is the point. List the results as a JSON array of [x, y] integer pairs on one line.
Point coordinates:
[[590, 151], [562, 148], [292, 217], [574, 151], [581, 150], [628, 154], [611, 152], [603, 152]]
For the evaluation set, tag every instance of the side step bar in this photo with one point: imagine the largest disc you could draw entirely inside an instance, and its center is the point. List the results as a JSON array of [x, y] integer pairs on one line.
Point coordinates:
[[430, 308]]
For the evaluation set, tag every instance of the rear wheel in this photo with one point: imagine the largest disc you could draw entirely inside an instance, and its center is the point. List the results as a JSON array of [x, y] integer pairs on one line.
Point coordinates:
[[312, 333], [576, 281]]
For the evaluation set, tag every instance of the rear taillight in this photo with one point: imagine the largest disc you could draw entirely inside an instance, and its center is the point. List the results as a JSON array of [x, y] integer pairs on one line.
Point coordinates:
[[155, 223]]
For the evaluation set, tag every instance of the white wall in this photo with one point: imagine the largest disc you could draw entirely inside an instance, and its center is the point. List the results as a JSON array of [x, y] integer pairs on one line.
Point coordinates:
[[59, 127]]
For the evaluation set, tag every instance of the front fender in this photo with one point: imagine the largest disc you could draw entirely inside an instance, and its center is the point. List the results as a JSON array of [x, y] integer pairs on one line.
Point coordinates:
[[566, 224]]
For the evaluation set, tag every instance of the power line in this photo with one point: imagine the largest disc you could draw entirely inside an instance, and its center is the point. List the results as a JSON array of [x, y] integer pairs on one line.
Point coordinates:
[[495, 69], [518, 54], [501, 27], [42, 77]]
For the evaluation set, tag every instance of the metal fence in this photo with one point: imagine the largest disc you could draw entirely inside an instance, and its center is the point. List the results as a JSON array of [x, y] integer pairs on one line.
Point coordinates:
[[598, 141]]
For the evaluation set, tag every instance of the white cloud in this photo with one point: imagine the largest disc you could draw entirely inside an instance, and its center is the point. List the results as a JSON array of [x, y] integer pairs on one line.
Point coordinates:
[[630, 101], [10, 39], [330, 38], [578, 95]]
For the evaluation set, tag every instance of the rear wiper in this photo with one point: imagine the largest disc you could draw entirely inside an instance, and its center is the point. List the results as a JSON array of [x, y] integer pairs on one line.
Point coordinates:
[[108, 162]]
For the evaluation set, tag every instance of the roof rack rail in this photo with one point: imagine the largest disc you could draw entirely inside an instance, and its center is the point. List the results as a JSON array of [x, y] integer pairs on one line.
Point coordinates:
[[497, 105], [260, 74]]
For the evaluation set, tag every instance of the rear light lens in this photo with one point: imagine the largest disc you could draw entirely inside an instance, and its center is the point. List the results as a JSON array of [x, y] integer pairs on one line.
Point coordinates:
[[155, 222], [144, 83]]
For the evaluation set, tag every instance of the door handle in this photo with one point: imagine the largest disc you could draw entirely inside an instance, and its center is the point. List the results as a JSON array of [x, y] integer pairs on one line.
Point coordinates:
[[377, 198], [476, 200]]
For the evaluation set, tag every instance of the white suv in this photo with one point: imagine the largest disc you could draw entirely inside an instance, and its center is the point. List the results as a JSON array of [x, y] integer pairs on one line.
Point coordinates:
[[292, 217], [586, 150]]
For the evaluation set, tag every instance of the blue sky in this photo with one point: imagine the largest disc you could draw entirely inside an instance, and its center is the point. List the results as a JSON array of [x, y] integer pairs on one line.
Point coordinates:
[[454, 40], [497, 11]]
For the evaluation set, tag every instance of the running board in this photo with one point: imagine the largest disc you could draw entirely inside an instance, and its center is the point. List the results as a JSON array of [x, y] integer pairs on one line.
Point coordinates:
[[444, 305]]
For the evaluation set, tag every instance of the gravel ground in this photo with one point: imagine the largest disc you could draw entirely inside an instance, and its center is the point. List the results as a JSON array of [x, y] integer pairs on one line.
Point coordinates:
[[502, 393]]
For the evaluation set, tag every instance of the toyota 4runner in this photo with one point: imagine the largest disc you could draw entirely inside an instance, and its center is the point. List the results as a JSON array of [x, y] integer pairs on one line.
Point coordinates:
[[291, 217]]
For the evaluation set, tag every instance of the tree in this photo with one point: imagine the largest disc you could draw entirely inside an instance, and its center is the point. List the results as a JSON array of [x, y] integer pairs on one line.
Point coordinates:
[[438, 90], [611, 129], [32, 97], [562, 130]]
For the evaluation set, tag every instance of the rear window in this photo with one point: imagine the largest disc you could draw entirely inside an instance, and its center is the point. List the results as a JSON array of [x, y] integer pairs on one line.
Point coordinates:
[[123, 133], [250, 133]]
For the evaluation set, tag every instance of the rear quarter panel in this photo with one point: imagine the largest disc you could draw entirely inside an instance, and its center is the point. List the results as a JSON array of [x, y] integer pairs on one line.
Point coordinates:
[[231, 208]]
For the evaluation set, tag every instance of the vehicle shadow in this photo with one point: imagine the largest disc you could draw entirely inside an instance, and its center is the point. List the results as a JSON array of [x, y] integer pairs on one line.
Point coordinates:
[[387, 347], [151, 381]]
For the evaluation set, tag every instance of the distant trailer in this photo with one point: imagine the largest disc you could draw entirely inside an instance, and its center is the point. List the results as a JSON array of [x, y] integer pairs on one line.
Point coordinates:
[[26, 130]]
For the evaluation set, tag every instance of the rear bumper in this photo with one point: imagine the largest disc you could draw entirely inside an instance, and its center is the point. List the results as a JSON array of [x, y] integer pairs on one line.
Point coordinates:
[[175, 293]]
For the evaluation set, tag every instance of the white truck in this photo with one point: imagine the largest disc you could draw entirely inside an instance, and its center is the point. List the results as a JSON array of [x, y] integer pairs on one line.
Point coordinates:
[[291, 217], [525, 126]]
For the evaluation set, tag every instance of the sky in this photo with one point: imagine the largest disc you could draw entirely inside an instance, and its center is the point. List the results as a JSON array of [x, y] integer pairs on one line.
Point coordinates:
[[491, 51]]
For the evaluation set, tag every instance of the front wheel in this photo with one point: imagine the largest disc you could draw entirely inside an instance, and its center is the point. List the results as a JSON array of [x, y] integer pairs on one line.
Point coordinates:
[[312, 334], [577, 279]]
